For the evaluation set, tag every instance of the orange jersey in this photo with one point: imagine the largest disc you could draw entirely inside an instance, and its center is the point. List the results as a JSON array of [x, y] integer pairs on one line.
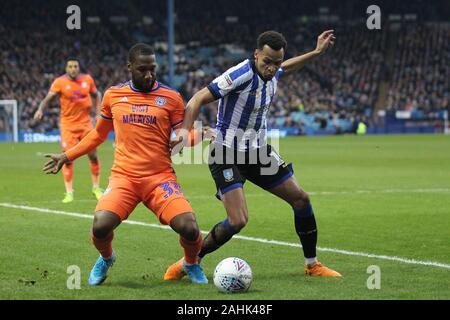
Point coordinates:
[[75, 99], [143, 123]]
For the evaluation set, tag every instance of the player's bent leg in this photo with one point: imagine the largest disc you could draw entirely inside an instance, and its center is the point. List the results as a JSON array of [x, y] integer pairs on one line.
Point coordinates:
[[305, 224], [102, 234], [104, 223], [67, 171], [94, 166], [186, 226], [191, 240], [237, 217], [93, 155], [68, 140], [236, 207]]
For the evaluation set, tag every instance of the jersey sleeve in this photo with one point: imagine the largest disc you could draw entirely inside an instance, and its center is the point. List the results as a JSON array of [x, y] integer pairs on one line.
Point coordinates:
[[92, 86], [105, 112], [177, 112], [55, 87], [231, 80], [91, 141]]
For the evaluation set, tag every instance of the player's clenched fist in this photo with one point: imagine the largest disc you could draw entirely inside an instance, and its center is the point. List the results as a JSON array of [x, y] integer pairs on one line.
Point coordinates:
[[55, 163]]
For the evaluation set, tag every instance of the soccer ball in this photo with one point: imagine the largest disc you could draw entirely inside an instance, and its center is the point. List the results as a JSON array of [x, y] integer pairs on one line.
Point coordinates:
[[233, 275]]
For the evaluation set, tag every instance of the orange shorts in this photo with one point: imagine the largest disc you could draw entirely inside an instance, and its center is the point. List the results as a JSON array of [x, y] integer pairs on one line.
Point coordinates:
[[71, 136], [160, 193]]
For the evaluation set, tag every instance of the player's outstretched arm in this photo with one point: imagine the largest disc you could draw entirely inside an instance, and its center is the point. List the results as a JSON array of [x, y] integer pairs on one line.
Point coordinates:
[[202, 97], [91, 141], [197, 135], [44, 103], [326, 39]]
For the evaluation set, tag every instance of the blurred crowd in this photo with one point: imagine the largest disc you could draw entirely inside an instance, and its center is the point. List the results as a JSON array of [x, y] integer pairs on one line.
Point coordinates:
[[421, 71], [343, 84]]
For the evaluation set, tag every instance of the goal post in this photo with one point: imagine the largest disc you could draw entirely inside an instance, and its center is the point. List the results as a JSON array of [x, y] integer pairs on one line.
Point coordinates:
[[446, 128], [9, 120]]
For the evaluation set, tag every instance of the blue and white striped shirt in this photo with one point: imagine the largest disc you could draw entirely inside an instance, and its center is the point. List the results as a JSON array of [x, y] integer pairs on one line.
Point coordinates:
[[245, 99]]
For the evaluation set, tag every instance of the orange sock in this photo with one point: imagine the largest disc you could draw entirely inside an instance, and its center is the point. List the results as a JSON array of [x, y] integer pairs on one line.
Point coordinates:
[[95, 172], [191, 248], [104, 246], [68, 174]]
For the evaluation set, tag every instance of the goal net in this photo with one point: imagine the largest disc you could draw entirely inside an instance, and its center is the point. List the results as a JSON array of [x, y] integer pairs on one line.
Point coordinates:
[[9, 122]]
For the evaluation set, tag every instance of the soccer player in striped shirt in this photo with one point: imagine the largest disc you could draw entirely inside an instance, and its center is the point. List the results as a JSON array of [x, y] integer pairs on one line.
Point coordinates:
[[240, 151]]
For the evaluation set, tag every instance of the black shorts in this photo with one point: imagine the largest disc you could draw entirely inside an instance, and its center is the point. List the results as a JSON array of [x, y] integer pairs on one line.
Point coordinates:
[[230, 168]]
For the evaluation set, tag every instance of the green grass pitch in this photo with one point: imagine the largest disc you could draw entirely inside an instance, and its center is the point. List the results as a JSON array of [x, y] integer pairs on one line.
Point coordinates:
[[386, 196]]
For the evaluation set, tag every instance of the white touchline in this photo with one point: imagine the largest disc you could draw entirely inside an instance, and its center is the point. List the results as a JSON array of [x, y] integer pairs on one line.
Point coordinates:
[[312, 193], [280, 243]]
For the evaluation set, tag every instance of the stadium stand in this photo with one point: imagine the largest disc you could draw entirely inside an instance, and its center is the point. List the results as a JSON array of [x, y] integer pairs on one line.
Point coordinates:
[[402, 67]]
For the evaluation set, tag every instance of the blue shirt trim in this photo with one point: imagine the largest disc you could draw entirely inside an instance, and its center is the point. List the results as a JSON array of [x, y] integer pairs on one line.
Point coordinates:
[[231, 187], [105, 117], [137, 90]]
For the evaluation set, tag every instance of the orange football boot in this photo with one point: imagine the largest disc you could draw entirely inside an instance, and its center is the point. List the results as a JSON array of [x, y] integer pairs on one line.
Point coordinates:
[[317, 269], [175, 271]]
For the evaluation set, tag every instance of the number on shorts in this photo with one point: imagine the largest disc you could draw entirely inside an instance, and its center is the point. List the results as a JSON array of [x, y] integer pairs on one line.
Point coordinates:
[[169, 190], [166, 188], [176, 186]]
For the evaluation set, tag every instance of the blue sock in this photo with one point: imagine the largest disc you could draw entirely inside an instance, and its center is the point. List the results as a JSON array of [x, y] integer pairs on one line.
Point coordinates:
[[226, 225]]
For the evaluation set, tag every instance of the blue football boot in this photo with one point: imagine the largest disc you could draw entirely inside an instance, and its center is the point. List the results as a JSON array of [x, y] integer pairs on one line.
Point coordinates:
[[195, 273], [100, 269]]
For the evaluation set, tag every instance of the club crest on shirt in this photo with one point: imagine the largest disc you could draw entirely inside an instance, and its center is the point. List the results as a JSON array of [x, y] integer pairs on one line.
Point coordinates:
[[228, 175], [84, 84], [160, 101]]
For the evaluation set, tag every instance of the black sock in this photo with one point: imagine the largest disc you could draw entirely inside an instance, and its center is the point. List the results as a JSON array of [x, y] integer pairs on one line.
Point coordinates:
[[218, 236], [306, 228]]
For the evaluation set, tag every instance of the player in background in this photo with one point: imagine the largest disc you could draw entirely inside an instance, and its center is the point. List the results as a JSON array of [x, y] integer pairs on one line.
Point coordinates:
[[75, 90], [143, 113], [245, 92]]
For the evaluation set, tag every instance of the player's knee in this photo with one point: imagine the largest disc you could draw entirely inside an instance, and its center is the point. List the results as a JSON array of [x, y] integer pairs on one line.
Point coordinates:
[[301, 201], [93, 157], [189, 231], [101, 230], [103, 225], [237, 224]]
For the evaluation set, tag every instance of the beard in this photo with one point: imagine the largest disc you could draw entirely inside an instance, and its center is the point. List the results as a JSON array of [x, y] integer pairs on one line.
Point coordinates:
[[142, 85]]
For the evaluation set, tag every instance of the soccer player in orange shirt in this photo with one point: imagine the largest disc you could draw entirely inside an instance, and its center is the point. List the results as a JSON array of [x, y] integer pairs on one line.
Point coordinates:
[[75, 90], [143, 113]]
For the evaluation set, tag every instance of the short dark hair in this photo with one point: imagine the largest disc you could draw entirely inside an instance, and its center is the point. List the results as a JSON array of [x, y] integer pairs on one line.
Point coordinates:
[[71, 58], [139, 49], [273, 39]]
